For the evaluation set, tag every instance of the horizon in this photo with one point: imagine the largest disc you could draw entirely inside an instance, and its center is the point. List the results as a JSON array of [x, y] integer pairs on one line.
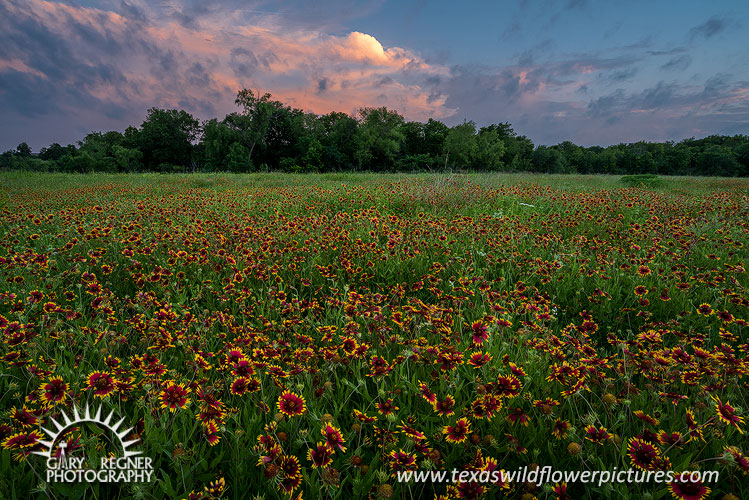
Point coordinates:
[[556, 71]]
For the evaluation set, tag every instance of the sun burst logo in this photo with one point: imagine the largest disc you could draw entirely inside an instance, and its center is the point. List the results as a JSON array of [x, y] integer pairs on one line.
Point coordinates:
[[61, 467]]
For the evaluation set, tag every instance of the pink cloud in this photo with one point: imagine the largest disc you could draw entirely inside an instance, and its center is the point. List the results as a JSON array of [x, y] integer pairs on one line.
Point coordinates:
[[20, 66], [169, 64]]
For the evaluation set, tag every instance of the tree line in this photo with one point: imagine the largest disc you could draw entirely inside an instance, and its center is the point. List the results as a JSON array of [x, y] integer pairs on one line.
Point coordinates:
[[267, 135]]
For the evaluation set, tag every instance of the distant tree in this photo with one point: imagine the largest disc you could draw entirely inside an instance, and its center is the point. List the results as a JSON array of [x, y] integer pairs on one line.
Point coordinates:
[[267, 134], [337, 135], [238, 159], [548, 160], [6, 160], [289, 135], [127, 159], [742, 157], [573, 157], [460, 145], [490, 150], [100, 146], [23, 150], [717, 160], [54, 152], [435, 134], [83, 162], [312, 161], [256, 118], [217, 138], [166, 138], [379, 138]]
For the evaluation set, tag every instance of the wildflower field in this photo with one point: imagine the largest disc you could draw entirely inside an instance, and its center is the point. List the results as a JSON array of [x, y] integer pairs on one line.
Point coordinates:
[[292, 336]]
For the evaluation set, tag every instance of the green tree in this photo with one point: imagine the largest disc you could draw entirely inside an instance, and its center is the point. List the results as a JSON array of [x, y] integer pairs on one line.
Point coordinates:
[[717, 160], [337, 135], [379, 138], [54, 152], [256, 118], [312, 159], [435, 133], [742, 157], [127, 159], [460, 145], [490, 150], [23, 150], [217, 138], [166, 138], [238, 159], [548, 160]]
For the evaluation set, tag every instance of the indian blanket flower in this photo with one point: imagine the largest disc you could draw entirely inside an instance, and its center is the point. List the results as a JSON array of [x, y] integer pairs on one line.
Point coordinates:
[[102, 383], [415, 434], [22, 440], [518, 371], [239, 386], [516, 415], [596, 434], [479, 359], [560, 429], [426, 393], [641, 453], [22, 444], [507, 386], [24, 417], [741, 461], [401, 461], [491, 404], [363, 417], [386, 407], [210, 431], [457, 433], [670, 439], [560, 490], [291, 404], [292, 474], [725, 317], [290, 466], [645, 417], [333, 437], [705, 309], [695, 430], [685, 487], [727, 414], [480, 332], [174, 396], [445, 407], [320, 455]]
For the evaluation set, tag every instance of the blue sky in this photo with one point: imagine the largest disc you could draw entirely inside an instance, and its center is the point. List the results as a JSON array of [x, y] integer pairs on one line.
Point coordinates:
[[589, 72]]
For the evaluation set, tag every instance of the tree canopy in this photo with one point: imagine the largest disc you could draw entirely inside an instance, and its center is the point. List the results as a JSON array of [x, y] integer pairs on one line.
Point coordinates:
[[265, 134]]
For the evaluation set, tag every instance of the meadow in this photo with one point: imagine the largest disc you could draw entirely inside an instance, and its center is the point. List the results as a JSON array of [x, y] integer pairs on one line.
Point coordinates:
[[282, 336]]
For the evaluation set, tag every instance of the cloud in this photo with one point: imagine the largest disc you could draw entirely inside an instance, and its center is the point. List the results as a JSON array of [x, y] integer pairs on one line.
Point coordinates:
[[322, 85], [100, 68], [620, 75], [679, 63], [133, 55], [709, 28], [667, 52]]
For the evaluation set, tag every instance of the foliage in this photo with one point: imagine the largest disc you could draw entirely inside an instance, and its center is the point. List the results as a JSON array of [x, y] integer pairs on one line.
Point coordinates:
[[375, 139]]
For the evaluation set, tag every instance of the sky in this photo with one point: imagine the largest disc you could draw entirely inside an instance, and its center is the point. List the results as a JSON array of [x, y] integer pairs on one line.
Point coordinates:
[[592, 72]]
